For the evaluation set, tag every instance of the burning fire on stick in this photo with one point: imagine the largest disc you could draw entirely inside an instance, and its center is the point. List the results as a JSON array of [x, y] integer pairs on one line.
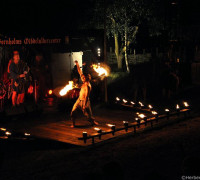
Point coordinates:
[[100, 70], [66, 89]]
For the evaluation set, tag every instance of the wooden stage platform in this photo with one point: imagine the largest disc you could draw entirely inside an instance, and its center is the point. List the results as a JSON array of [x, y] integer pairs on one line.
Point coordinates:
[[56, 126]]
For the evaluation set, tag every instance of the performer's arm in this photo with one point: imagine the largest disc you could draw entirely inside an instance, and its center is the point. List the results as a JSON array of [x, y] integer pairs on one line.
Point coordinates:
[[78, 68]]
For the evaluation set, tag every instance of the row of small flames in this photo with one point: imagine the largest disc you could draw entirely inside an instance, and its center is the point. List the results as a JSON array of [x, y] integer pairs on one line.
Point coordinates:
[[8, 133], [139, 116]]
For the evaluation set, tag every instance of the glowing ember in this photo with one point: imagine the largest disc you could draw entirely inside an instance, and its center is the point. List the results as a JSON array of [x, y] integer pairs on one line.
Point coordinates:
[[141, 103], [125, 101], [100, 70], [177, 106], [150, 106], [154, 112], [132, 102], [97, 129], [67, 88], [186, 104], [7, 133], [2, 129], [142, 116], [117, 99], [110, 125], [50, 92], [167, 110], [27, 134]]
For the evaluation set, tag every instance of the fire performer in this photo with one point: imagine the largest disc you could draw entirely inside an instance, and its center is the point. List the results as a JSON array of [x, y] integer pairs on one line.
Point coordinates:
[[83, 101], [18, 70]]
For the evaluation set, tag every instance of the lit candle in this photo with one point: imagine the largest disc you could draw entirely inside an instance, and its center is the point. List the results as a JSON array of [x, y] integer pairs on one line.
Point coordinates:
[[125, 101], [167, 111], [186, 104], [138, 121], [126, 125], [98, 130], [155, 113], [84, 136], [117, 99], [8, 133], [150, 106], [141, 104], [132, 103], [177, 108]]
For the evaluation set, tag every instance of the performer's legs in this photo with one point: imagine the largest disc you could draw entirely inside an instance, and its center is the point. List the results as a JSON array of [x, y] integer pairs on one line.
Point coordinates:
[[75, 107], [88, 114], [14, 98]]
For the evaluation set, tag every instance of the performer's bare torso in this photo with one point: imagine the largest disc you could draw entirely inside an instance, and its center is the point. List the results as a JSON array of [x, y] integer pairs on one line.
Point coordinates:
[[85, 90]]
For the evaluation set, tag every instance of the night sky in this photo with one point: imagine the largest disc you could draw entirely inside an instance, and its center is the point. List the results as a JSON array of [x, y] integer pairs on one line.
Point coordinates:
[[43, 16], [60, 17]]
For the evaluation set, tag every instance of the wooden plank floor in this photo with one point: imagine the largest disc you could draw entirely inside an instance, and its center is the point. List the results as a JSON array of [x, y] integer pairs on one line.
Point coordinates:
[[57, 127]]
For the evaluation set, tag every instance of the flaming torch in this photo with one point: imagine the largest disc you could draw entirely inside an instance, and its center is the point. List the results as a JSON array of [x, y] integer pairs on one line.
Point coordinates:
[[67, 88], [101, 71]]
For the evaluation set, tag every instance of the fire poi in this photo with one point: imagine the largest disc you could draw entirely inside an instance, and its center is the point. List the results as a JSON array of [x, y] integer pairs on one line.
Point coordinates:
[[101, 70], [66, 89]]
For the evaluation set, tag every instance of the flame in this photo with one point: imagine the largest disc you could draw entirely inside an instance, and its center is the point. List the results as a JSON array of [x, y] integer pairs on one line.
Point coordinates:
[[167, 110], [141, 115], [141, 103], [137, 113], [27, 134], [125, 122], [177, 106], [65, 90], [117, 99], [125, 101], [136, 119], [132, 102], [2, 129], [154, 112], [7, 133], [50, 92], [110, 125], [100, 70], [186, 104], [97, 129], [150, 106]]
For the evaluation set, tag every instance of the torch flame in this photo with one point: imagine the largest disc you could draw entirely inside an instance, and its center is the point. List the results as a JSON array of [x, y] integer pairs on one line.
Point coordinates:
[[177, 106], [132, 102], [68, 87], [125, 101], [154, 112], [186, 104], [2, 129], [100, 70], [117, 99], [110, 125], [150, 106], [7, 133], [167, 110], [141, 104], [141, 116]]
